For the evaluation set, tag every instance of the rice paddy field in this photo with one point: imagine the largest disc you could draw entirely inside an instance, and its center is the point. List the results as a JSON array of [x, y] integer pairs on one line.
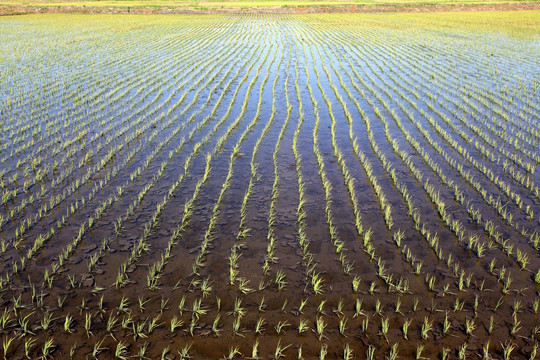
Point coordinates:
[[270, 186]]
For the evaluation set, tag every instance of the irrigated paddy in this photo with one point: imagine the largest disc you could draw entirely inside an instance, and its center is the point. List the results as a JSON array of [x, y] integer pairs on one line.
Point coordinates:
[[255, 186]]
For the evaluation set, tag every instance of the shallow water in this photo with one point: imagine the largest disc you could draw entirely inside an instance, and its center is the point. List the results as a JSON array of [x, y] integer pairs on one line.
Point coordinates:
[[296, 122]]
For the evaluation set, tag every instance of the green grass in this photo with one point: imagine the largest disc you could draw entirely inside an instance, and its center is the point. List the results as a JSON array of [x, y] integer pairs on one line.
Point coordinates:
[[240, 4]]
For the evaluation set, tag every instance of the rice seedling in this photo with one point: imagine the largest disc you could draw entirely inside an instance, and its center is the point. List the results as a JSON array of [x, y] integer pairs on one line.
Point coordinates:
[[320, 325], [121, 351], [106, 179], [323, 352], [232, 353], [370, 352], [347, 352], [278, 353], [507, 349], [427, 326]]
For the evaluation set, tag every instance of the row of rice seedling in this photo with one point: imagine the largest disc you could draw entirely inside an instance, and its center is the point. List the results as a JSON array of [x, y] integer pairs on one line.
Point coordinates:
[[134, 226]]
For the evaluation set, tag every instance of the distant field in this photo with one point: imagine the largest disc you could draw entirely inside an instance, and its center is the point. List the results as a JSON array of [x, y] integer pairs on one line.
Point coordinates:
[[274, 6], [270, 186]]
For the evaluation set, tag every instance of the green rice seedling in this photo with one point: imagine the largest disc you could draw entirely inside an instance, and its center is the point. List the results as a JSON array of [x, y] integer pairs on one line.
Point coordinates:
[[475, 305], [68, 324], [193, 325], [342, 326], [46, 321], [238, 310], [522, 259], [154, 324], [405, 328], [372, 288], [458, 305], [198, 310], [415, 305], [485, 351], [419, 351], [164, 353], [126, 321], [365, 325], [232, 353], [384, 328], [462, 352], [280, 326], [285, 302], [121, 351], [469, 326], [317, 283], [142, 351], [515, 326], [393, 355], [28, 345], [532, 355], [72, 281], [320, 325], [278, 353], [445, 353], [111, 323], [243, 286], [124, 305], [262, 305], [47, 349], [418, 267], [356, 284], [320, 308], [259, 326], [255, 350], [182, 305], [138, 329], [398, 307], [508, 348], [215, 326], [378, 307], [88, 324], [5, 318], [175, 324], [302, 305], [303, 326], [358, 308], [446, 324], [347, 352], [184, 352], [60, 301], [17, 304], [206, 287], [491, 324], [236, 327], [499, 303], [6, 343], [427, 326], [323, 351], [430, 282], [339, 308], [24, 323], [516, 307], [163, 305], [370, 353]]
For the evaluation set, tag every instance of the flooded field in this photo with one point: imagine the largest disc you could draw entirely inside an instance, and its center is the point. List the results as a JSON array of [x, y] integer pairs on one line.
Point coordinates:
[[270, 186]]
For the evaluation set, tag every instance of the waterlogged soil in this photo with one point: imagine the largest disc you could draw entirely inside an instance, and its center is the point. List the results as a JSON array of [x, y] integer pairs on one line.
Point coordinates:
[[263, 183]]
